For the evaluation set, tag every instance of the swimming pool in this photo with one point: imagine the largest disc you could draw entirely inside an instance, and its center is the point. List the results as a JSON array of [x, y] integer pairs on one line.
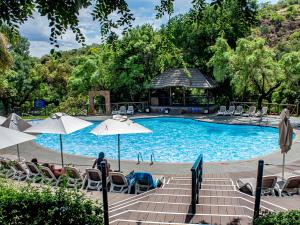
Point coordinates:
[[173, 140]]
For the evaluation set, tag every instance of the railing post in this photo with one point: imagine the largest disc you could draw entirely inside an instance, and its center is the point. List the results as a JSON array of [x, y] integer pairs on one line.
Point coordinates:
[[193, 202], [104, 193], [260, 171]]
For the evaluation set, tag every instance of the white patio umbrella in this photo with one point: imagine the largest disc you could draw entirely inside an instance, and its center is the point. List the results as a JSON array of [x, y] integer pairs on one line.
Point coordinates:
[[9, 137], [59, 123], [15, 122], [2, 119], [285, 135], [119, 125]]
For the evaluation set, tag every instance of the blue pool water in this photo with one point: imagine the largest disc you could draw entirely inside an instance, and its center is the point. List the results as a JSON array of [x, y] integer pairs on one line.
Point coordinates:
[[173, 140]]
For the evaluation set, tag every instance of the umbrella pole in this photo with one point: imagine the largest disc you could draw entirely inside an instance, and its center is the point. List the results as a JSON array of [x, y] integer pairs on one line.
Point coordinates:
[[119, 154], [283, 162], [18, 152], [61, 151]]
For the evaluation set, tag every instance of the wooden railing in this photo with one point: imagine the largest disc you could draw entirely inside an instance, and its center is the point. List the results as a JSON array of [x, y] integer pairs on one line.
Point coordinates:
[[273, 108], [197, 172]]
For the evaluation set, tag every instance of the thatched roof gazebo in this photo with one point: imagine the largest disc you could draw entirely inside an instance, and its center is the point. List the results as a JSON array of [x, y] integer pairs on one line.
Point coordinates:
[[184, 78]]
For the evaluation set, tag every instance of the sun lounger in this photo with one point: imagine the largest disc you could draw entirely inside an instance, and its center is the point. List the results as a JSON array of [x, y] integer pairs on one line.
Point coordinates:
[[48, 176], [130, 110], [93, 179], [289, 186], [238, 111], [6, 169], [74, 179], [122, 110], [251, 111], [34, 174], [230, 111], [19, 172], [221, 111], [119, 182], [143, 182], [248, 185], [263, 112]]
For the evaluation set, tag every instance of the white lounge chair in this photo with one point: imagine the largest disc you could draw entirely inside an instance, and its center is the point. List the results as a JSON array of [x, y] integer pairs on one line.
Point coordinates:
[[239, 110], [19, 172], [263, 112], [251, 111], [93, 179], [34, 174], [221, 111], [230, 111], [6, 169], [290, 186], [130, 110], [122, 110], [248, 185], [48, 176], [74, 179], [119, 182]]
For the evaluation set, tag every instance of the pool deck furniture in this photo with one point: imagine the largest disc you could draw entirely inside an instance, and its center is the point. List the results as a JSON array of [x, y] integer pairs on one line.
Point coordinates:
[[289, 186], [34, 173], [251, 111], [248, 185], [130, 110], [221, 111], [49, 177], [230, 111], [119, 182], [239, 110]]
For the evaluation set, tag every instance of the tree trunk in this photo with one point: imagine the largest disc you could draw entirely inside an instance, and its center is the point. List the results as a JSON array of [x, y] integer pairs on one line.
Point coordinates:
[[259, 102]]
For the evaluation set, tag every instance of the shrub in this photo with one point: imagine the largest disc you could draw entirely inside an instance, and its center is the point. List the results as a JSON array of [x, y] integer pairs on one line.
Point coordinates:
[[29, 205], [282, 218]]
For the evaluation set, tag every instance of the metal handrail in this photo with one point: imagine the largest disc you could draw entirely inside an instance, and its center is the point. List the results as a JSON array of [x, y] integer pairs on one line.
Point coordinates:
[[197, 172], [152, 158], [138, 156]]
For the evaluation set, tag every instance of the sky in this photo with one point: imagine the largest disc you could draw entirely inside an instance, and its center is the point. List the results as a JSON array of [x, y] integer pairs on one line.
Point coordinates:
[[38, 32]]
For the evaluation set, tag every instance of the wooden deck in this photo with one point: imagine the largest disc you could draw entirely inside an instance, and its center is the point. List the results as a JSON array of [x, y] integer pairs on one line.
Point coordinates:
[[219, 203]]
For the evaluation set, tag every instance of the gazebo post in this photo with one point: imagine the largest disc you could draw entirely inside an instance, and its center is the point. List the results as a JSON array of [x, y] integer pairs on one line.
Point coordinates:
[[183, 96], [170, 96]]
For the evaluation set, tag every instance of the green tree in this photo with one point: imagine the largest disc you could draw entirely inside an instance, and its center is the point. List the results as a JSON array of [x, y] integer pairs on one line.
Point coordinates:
[[252, 67]]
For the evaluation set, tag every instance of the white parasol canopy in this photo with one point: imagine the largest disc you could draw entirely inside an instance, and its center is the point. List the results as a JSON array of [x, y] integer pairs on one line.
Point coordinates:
[[119, 125], [9, 137], [59, 123], [2, 119], [15, 122]]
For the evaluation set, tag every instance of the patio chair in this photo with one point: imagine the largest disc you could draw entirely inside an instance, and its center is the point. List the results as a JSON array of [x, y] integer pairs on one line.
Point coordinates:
[[122, 110], [130, 110], [289, 187], [119, 182], [49, 177], [6, 169], [143, 182], [221, 111], [263, 112], [34, 174], [74, 179], [19, 172], [251, 111], [93, 179], [230, 111], [248, 185], [239, 110]]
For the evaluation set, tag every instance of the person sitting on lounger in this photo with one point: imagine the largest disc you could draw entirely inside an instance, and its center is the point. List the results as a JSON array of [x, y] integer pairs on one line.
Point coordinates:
[[98, 163], [35, 161], [57, 172]]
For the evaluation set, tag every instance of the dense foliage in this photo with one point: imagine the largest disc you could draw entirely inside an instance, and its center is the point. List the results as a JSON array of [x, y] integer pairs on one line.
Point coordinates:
[[230, 40], [282, 218], [30, 205]]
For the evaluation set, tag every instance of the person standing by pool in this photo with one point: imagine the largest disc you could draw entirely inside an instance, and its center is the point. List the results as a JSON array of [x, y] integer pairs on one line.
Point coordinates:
[[98, 163]]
